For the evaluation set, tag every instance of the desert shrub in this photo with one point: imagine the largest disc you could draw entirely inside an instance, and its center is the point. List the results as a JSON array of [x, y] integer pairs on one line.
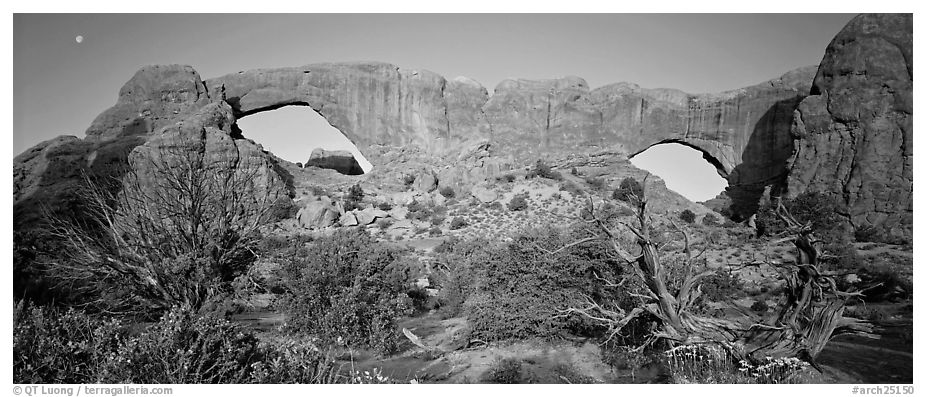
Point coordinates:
[[759, 306], [348, 286], [596, 183], [518, 203], [418, 211], [318, 190], [457, 223], [574, 171], [722, 285], [687, 216], [385, 206], [185, 348], [352, 200], [819, 208], [543, 170], [628, 190], [508, 178], [572, 188], [178, 232], [435, 231], [54, 346], [384, 223], [710, 220], [448, 192], [505, 371], [437, 220], [517, 290], [408, 180]]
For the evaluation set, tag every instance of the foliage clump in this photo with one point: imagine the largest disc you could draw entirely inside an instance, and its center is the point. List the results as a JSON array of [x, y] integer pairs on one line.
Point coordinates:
[[348, 287], [687, 216], [628, 190], [543, 170], [518, 203]]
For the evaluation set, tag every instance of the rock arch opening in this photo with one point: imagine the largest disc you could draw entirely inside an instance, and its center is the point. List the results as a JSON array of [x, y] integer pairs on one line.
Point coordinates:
[[300, 135], [686, 169]]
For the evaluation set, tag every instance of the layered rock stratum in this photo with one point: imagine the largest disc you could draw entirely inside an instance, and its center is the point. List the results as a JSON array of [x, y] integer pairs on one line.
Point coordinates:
[[856, 113]]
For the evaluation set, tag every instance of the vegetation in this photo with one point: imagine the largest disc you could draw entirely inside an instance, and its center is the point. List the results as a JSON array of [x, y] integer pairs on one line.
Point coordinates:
[[628, 190], [710, 220], [543, 170], [447, 192], [457, 223], [347, 287], [518, 203], [353, 198], [687, 216], [180, 231], [52, 346]]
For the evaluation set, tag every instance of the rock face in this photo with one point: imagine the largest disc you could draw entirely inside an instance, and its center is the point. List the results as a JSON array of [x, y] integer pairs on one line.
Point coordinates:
[[341, 161], [854, 134], [162, 108], [858, 118]]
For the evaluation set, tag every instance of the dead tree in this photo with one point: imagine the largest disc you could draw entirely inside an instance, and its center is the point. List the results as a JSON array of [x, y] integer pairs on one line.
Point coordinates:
[[181, 224], [811, 314]]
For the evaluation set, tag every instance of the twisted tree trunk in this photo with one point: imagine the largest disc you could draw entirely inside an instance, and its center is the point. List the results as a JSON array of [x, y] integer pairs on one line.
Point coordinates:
[[811, 315]]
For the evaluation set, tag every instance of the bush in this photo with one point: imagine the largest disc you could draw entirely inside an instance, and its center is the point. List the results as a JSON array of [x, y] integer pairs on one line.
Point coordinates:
[[544, 171], [385, 206], [518, 203], [819, 208], [516, 290], [435, 231], [177, 231], [408, 180], [572, 188], [710, 220], [457, 223], [628, 191], [349, 287], [505, 371], [447, 192], [687, 216], [51, 346], [759, 306], [437, 220], [596, 183], [721, 286]]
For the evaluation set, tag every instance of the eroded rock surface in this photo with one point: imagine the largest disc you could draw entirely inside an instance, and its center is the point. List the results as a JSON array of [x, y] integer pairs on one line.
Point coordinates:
[[854, 135]]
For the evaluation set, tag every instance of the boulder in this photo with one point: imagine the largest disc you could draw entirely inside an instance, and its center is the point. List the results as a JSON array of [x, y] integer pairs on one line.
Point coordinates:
[[398, 213], [341, 161], [425, 182], [348, 219], [317, 214], [484, 194]]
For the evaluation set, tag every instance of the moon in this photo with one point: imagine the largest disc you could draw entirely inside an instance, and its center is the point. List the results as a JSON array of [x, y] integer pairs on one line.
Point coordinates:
[[79, 39]]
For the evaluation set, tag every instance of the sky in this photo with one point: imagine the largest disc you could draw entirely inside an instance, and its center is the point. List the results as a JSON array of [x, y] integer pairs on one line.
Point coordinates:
[[61, 84]]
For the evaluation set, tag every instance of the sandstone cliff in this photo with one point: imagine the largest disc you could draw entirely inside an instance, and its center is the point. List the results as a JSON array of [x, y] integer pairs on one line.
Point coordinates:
[[854, 135]]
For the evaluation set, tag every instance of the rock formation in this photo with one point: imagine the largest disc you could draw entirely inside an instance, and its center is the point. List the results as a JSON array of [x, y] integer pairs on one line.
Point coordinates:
[[456, 134], [854, 134], [341, 161]]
